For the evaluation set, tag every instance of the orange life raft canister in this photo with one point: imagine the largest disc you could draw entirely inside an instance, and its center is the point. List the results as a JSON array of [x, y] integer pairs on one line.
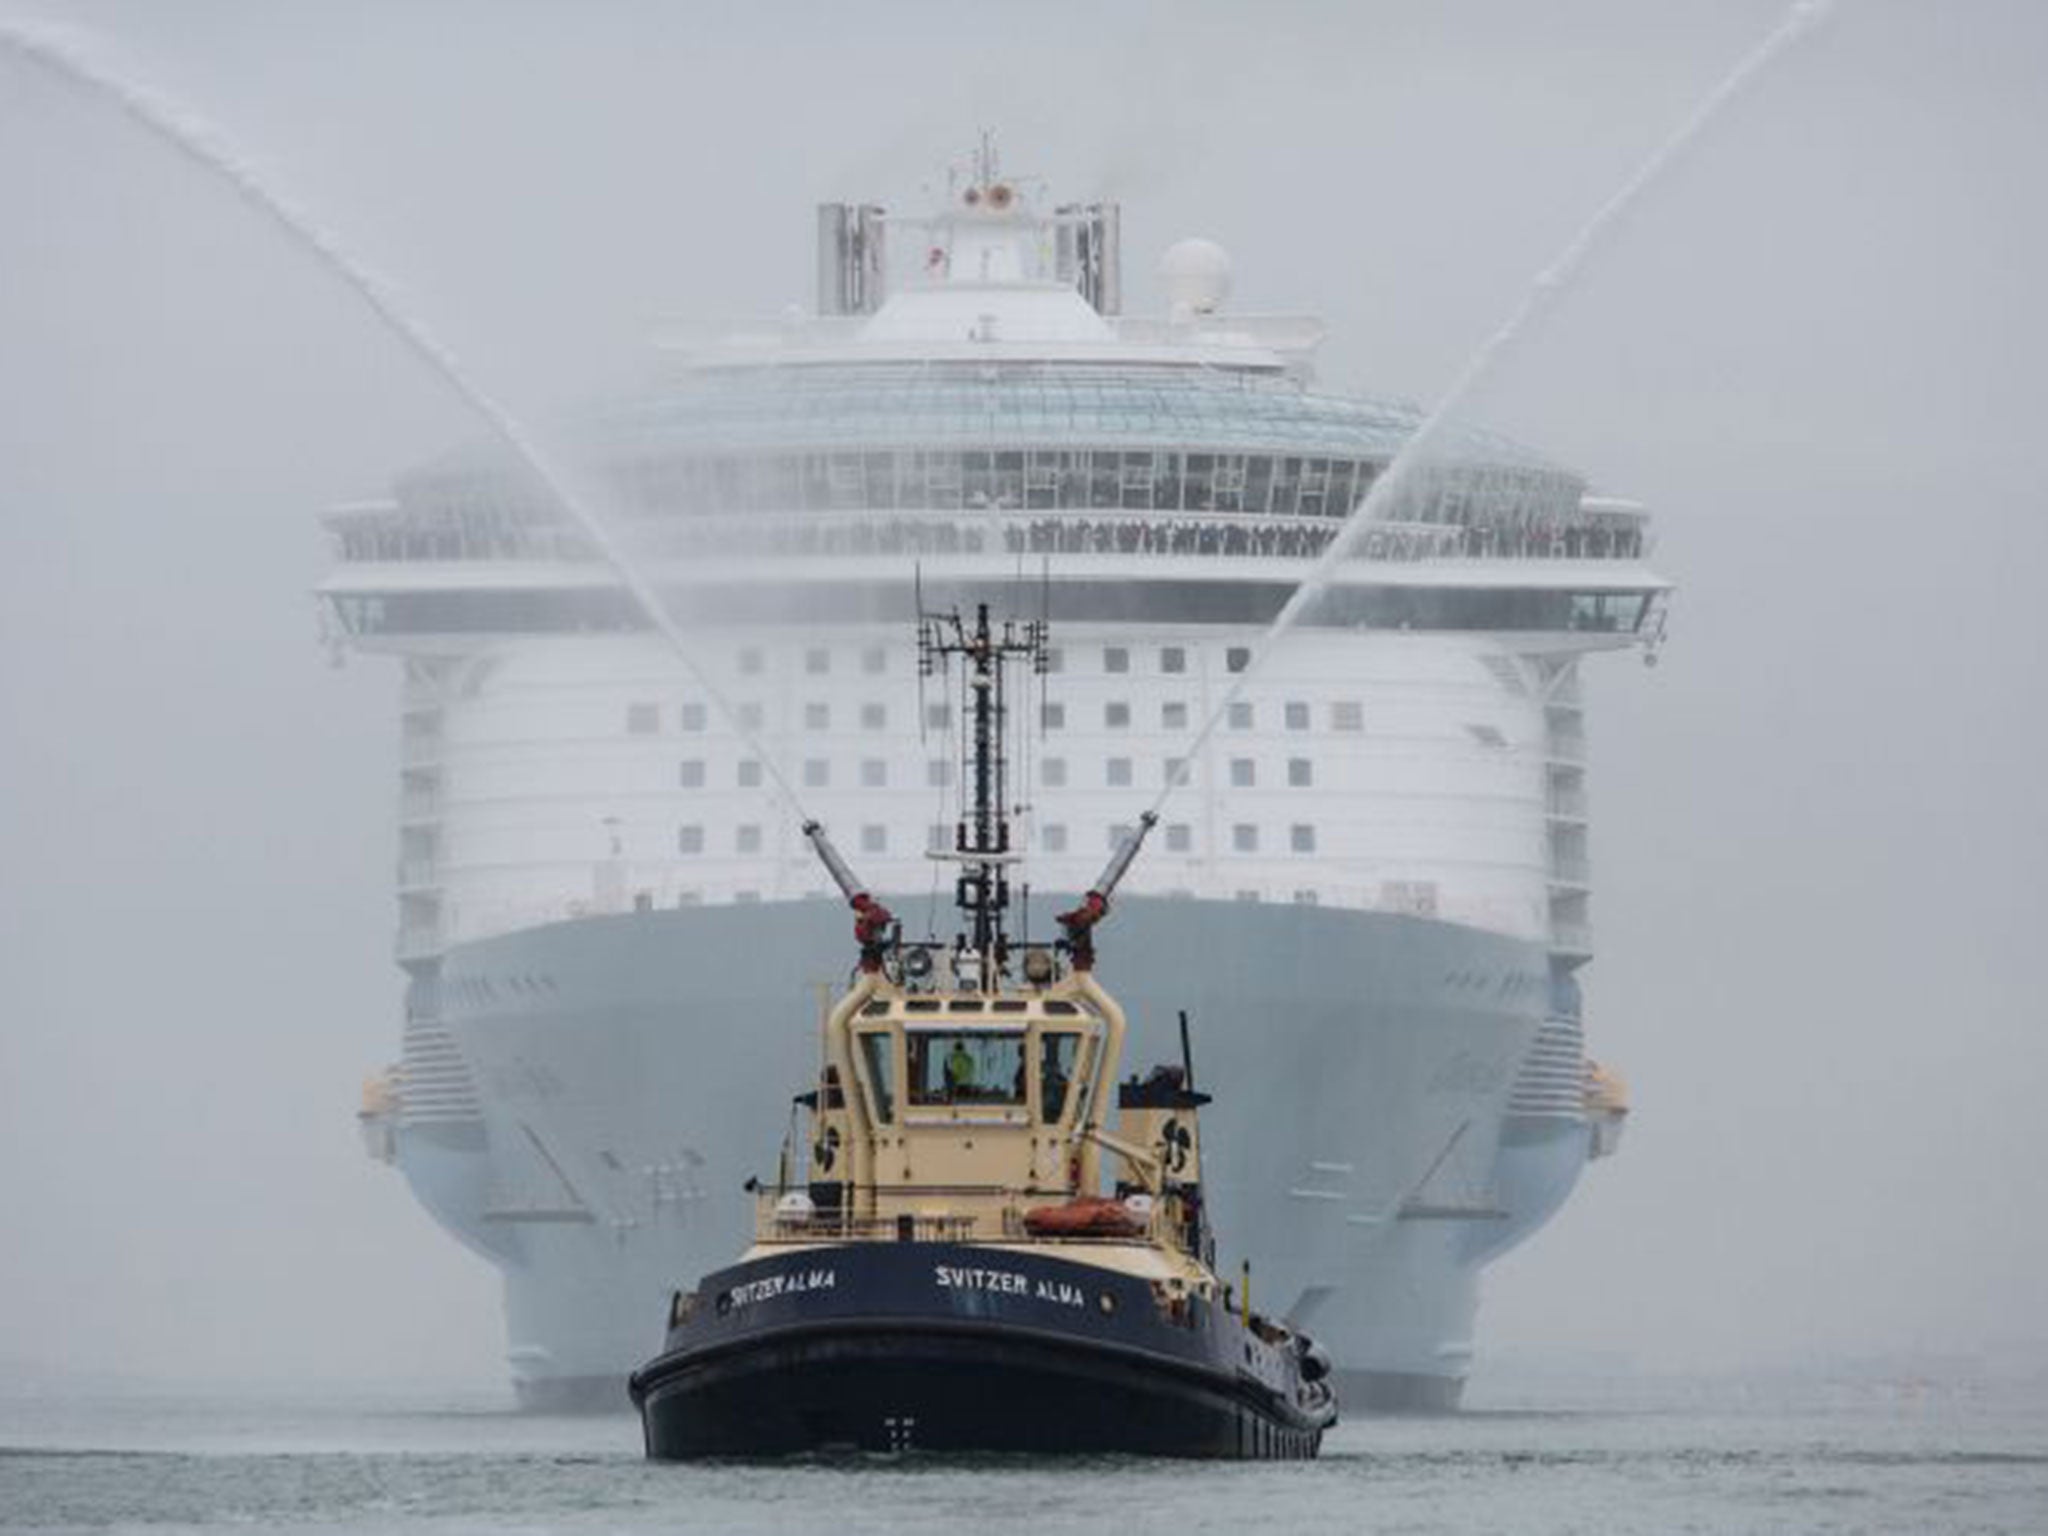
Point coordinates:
[[1084, 1216]]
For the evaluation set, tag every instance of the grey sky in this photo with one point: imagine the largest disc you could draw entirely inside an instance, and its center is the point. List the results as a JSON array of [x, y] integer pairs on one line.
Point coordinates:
[[1816, 353]]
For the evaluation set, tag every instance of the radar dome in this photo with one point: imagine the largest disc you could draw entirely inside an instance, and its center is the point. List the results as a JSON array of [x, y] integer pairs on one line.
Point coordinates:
[[1197, 277]]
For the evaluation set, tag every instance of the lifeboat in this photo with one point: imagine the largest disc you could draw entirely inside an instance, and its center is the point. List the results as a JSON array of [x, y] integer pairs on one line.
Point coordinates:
[[1084, 1216]]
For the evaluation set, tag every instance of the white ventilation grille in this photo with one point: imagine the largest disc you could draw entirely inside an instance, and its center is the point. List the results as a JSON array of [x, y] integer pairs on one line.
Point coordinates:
[[435, 1087], [1552, 1082]]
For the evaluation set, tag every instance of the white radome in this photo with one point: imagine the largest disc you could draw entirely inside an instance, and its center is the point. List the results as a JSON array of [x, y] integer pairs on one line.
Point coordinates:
[[1196, 273]]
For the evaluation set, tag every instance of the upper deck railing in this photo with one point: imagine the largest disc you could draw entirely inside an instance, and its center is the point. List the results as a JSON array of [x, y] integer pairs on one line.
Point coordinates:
[[988, 531], [916, 1213]]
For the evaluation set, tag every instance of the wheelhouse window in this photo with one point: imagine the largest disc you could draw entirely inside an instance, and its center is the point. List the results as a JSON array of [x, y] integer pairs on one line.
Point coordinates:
[[1057, 1051], [878, 1060], [977, 1067]]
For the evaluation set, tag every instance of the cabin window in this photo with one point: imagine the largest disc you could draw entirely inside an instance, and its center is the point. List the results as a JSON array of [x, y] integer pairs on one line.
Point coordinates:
[[879, 1062], [982, 1067], [1056, 1053]]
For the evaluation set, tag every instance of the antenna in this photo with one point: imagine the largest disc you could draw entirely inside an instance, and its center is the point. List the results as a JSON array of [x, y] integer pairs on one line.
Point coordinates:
[[981, 838]]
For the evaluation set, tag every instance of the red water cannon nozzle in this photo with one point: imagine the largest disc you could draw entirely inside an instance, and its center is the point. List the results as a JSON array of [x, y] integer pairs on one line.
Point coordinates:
[[872, 921], [871, 924], [1080, 925]]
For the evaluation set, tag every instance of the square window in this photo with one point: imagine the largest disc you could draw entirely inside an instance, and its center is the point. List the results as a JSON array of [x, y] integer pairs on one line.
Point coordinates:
[[1297, 714], [690, 773], [1347, 715], [750, 773], [643, 719], [1116, 717], [690, 839], [874, 772], [1180, 837], [1301, 838], [752, 717], [1173, 658], [938, 772], [817, 661], [1237, 658], [874, 660], [1054, 716], [1239, 715], [1174, 768], [938, 717], [817, 717], [1173, 716], [694, 717], [1117, 835], [1055, 659], [752, 662], [1118, 772], [938, 837], [874, 839], [817, 772], [1116, 659], [1301, 772], [1052, 772], [747, 839], [1244, 773], [874, 717], [1244, 837], [1052, 837], [1305, 898]]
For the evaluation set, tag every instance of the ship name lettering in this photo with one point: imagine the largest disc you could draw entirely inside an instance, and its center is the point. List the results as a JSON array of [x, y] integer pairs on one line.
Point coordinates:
[[1059, 1291], [789, 1283], [1006, 1281]]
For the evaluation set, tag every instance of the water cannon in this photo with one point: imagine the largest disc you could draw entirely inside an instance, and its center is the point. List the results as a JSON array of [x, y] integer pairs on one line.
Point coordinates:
[[1080, 922], [871, 920]]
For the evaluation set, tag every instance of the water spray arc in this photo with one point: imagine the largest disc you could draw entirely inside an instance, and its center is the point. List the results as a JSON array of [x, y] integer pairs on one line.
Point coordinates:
[[1550, 284], [202, 144]]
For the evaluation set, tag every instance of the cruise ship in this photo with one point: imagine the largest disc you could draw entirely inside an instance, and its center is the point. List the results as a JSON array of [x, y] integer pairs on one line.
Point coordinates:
[[1371, 891]]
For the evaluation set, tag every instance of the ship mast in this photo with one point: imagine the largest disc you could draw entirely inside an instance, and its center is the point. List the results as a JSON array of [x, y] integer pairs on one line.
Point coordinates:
[[981, 837]]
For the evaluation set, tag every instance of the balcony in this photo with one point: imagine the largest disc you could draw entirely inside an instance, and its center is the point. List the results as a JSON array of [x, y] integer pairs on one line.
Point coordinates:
[[1565, 802], [418, 940], [1567, 745], [1571, 938]]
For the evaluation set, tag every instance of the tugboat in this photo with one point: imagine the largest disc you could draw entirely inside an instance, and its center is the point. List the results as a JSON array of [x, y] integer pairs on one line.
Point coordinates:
[[980, 1255]]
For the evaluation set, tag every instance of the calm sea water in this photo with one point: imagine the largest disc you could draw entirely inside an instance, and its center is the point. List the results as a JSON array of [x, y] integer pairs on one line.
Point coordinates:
[[1669, 1457]]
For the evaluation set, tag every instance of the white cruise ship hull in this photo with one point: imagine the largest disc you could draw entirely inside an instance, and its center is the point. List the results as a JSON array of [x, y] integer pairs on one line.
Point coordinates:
[[598, 1152]]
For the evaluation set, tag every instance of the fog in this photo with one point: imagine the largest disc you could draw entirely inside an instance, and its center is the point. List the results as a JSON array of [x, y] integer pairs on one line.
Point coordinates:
[[1814, 352]]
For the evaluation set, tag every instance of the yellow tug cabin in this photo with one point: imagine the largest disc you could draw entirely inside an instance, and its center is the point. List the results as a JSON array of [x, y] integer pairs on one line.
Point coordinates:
[[978, 1117]]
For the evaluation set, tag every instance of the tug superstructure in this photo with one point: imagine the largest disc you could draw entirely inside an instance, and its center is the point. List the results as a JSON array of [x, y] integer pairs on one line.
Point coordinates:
[[994, 1243]]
